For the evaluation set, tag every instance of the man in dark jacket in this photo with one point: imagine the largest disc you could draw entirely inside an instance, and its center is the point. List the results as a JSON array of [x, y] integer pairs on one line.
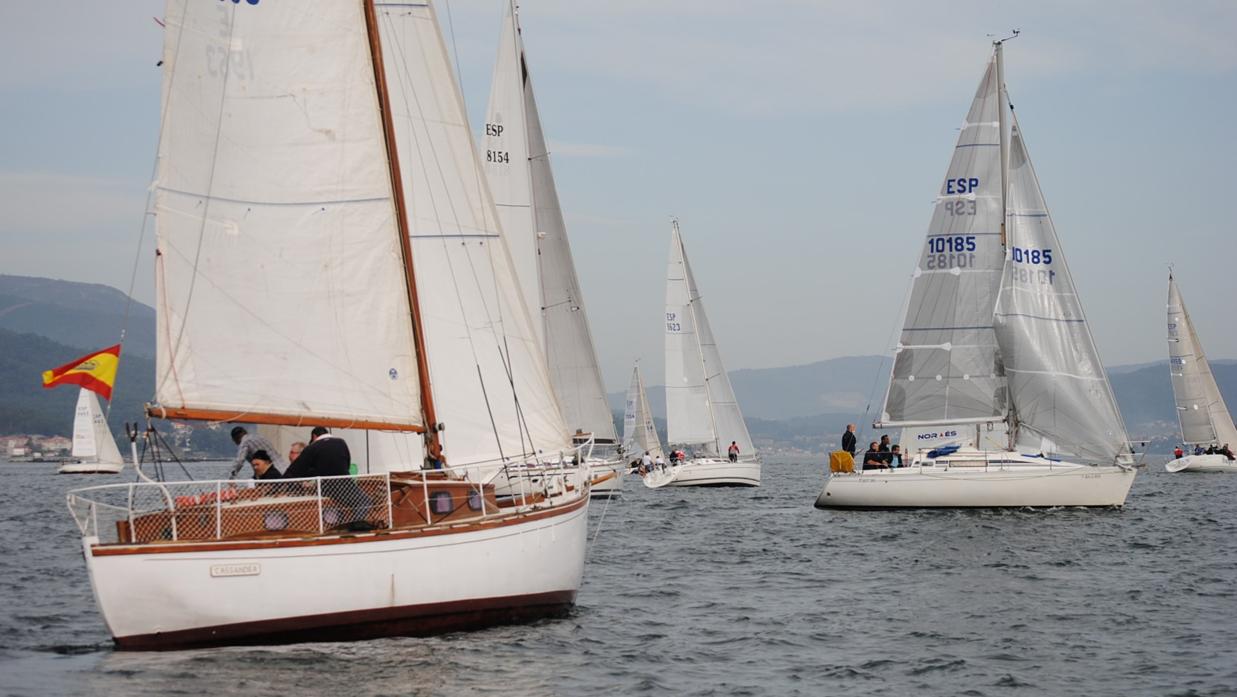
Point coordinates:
[[325, 456], [848, 440]]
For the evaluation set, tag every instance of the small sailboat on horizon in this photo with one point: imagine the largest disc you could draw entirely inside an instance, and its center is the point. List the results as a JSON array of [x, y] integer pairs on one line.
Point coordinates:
[[994, 333], [702, 413], [1203, 416], [93, 443]]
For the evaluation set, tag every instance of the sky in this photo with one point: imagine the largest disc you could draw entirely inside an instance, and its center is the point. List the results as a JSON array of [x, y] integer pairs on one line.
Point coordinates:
[[800, 143]]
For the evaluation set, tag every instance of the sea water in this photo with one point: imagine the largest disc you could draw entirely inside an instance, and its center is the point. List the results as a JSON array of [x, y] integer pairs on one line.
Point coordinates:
[[729, 592]]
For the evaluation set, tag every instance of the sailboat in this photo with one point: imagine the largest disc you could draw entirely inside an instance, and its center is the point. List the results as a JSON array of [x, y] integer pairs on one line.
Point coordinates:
[[994, 333], [517, 166], [1201, 411], [93, 444], [328, 254], [639, 433], [701, 410]]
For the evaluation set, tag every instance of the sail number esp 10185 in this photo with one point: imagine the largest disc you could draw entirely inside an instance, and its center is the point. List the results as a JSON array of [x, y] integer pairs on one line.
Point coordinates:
[[953, 251]]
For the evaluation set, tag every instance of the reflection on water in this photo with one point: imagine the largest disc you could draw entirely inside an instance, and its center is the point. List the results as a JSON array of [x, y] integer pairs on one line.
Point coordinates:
[[731, 591]]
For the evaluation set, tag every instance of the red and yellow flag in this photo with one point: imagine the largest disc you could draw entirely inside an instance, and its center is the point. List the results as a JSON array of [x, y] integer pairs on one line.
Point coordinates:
[[95, 372]]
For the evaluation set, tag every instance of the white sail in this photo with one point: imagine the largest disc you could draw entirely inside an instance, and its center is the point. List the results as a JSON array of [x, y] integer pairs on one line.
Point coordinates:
[[1062, 400], [488, 372], [518, 167], [1201, 410], [92, 439], [276, 222], [639, 433], [506, 163], [946, 368], [701, 408]]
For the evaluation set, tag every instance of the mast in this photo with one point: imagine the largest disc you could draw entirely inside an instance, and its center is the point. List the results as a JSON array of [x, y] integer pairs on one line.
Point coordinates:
[[1011, 413], [433, 444]]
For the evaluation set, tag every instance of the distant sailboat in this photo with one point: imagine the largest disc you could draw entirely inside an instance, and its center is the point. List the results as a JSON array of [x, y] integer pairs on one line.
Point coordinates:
[[517, 167], [1201, 411], [93, 444], [701, 410], [328, 254], [994, 332]]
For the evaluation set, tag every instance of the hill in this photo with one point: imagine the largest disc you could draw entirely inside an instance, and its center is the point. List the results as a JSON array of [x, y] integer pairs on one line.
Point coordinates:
[[85, 315]]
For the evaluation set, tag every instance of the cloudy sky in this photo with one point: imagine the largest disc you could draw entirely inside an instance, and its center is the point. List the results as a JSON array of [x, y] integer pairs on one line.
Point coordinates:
[[801, 144]]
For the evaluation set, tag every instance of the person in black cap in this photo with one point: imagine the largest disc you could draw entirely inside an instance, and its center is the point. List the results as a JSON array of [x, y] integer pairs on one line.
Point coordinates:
[[262, 466], [246, 445]]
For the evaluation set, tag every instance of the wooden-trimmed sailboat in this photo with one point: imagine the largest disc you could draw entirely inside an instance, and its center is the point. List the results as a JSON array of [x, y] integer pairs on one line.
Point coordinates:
[[994, 332], [328, 255], [701, 410], [1201, 412], [517, 166]]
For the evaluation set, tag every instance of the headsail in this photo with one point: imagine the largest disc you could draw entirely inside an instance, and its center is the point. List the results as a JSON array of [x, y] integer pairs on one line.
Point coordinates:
[[700, 404], [280, 284], [1201, 410], [517, 163], [488, 371], [1063, 401], [947, 369], [639, 433]]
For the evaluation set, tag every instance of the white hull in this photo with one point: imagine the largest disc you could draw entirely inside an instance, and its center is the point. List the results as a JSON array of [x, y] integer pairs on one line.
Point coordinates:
[[613, 486], [1004, 480], [1201, 463], [412, 585], [708, 471], [658, 477], [89, 468]]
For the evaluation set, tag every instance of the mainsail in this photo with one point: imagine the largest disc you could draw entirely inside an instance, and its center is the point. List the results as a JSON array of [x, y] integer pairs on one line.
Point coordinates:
[[701, 408], [947, 369], [280, 285], [489, 376], [1201, 410], [1062, 399], [517, 164], [92, 439], [639, 433]]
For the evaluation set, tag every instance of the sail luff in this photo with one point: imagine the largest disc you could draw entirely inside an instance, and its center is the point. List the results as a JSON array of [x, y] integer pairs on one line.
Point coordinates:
[[433, 445], [1202, 413]]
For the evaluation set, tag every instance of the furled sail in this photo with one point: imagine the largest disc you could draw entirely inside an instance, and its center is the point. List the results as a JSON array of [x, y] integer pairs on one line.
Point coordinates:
[[280, 283], [92, 439], [517, 163], [947, 369], [639, 433], [1201, 410], [1062, 400], [700, 404], [491, 387]]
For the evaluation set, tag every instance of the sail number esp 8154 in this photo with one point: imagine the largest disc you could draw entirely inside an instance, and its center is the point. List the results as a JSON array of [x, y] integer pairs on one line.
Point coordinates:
[[495, 130]]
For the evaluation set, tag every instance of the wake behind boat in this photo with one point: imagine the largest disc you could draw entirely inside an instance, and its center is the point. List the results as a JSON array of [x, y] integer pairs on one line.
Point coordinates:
[[1201, 412], [305, 207], [994, 332], [702, 413]]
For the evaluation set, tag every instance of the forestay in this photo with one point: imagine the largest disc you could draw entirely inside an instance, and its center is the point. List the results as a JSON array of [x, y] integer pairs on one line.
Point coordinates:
[[488, 372], [1201, 410], [700, 404], [1061, 395], [517, 163], [280, 284], [639, 433], [947, 369]]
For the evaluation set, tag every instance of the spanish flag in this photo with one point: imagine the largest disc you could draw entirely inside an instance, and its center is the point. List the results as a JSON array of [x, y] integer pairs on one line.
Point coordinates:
[[95, 372]]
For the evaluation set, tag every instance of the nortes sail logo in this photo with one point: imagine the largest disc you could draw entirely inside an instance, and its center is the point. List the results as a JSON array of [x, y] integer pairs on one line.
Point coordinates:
[[226, 570]]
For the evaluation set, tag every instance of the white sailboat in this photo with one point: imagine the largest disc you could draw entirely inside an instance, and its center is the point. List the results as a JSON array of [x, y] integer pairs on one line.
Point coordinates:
[[640, 434], [93, 444], [994, 332], [701, 410], [1201, 411], [517, 167], [328, 255]]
